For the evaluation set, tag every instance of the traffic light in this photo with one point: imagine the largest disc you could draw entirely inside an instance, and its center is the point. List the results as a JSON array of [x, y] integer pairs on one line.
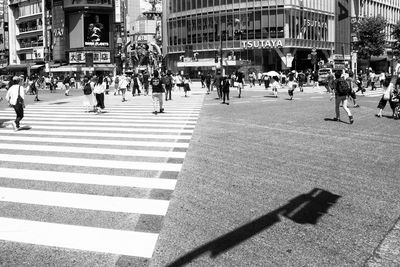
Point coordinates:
[[216, 59]]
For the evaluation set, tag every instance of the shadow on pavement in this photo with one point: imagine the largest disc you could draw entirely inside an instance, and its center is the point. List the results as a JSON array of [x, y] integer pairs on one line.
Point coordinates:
[[303, 209], [330, 119]]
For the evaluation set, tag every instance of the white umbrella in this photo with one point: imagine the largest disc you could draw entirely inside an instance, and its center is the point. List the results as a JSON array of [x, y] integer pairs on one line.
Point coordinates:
[[273, 73]]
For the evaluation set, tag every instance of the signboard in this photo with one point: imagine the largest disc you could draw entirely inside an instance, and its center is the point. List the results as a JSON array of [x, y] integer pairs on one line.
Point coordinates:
[[88, 3], [118, 11], [96, 30], [272, 43], [98, 57]]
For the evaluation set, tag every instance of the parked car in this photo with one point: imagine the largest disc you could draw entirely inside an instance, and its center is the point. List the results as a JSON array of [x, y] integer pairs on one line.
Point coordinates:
[[323, 74], [4, 80]]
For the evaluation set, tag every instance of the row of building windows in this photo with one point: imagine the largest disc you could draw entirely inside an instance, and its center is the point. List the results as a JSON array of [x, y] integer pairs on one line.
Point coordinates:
[[31, 42], [185, 5], [27, 9], [31, 25], [248, 24]]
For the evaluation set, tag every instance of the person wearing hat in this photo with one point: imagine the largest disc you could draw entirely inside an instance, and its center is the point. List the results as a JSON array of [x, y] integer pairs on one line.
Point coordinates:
[[15, 97]]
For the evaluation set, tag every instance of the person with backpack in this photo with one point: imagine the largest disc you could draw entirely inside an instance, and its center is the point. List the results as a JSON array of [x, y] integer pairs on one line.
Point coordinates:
[[351, 81], [341, 90], [89, 100], [158, 88]]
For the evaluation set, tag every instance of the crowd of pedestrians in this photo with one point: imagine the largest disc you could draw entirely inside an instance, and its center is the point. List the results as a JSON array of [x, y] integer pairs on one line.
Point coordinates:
[[343, 86]]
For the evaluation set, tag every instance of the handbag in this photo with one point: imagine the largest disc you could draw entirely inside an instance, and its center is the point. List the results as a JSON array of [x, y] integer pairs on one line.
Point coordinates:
[[20, 100]]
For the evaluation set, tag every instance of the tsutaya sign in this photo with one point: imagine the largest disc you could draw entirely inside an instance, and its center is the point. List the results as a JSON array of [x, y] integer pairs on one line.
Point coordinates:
[[276, 43]]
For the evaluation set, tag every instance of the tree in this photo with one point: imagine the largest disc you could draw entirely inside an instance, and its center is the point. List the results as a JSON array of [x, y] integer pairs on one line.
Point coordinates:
[[371, 36], [396, 37]]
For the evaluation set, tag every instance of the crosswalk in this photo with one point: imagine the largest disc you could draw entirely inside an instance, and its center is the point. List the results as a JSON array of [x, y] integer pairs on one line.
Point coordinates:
[[376, 93], [122, 163]]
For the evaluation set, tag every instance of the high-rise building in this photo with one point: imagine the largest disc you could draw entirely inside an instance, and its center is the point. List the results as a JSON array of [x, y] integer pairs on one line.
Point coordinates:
[[27, 36]]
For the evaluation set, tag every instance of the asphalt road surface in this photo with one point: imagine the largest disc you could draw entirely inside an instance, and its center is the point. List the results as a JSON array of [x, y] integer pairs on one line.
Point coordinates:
[[261, 182]]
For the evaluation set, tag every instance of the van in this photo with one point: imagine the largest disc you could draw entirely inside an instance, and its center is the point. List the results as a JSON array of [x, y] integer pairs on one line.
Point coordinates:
[[323, 74]]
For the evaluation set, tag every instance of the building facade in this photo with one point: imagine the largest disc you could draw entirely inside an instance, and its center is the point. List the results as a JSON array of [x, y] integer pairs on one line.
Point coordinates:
[[27, 35], [266, 35]]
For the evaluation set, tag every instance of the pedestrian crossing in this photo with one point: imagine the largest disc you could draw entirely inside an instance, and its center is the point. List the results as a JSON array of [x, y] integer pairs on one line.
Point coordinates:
[[88, 169], [376, 93]]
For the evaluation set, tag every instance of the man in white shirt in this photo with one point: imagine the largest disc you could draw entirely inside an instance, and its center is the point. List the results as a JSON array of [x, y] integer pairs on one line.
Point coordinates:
[[12, 97]]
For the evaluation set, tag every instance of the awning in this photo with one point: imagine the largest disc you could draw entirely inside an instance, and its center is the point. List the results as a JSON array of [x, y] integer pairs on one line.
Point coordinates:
[[17, 67], [96, 67], [35, 67]]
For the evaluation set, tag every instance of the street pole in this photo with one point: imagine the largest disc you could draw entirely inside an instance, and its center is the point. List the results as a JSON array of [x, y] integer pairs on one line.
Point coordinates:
[[220, 53]]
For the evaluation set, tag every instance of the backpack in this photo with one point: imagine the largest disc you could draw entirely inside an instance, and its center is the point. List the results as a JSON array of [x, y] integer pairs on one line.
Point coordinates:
[[87, 89], [342, 87]]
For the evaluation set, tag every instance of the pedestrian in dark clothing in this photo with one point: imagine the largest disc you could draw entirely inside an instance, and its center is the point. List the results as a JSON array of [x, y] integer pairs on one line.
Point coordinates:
[[208, 82], [225, 90], [341, 91], [217, 83], [136, 85], [146, 82], [167, 80]]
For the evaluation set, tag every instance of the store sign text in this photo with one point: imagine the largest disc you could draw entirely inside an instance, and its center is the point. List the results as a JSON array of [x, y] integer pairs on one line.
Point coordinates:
[[262, 44], [315, 23]]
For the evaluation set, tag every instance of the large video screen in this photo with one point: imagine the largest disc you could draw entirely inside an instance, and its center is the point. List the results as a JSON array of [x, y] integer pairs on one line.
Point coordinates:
[[96, 30]]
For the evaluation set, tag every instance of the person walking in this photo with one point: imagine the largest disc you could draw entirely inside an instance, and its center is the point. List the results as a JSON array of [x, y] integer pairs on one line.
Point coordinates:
[[145, 82], [136, 84], [208, 83], [340, 91], [158, 88], [240, 81], [116, 84], [66, 83], [218, 84], [259, 78], [99, 90], [167, 80], [225, 90], [275, 85], [15, 97], [292, 85], [123, 85], [352, 84], [186, 84], [302, 78], [388, 88], [89, 100]]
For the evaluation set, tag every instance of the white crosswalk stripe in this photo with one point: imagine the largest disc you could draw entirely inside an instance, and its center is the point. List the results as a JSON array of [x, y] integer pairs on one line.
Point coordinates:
[[124, 161], [376, 93]]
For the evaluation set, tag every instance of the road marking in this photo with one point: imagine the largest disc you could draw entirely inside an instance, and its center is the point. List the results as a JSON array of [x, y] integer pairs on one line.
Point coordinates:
[[85, 178], [84, 201], [388, 252], [150, 118], [268, 100], [316, 97], [93, 141], [84, 162], [123, 125], [113, 129], [240, 102], [136, 244], [98, 151], [103, 120], [109, 135]]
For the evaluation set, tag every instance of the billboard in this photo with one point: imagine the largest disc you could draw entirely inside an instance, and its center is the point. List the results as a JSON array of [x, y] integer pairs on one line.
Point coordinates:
[[96, 30]]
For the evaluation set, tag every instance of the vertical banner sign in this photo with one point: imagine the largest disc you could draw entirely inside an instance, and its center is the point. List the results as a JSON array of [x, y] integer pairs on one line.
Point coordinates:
[[343, 25], [118, 11]]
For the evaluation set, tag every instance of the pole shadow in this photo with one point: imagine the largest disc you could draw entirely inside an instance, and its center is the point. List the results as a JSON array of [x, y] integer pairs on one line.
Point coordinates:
[[304, 209]]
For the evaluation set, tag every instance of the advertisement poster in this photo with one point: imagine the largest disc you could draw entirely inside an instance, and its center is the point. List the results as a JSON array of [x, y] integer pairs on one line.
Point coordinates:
[[96, 30]]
